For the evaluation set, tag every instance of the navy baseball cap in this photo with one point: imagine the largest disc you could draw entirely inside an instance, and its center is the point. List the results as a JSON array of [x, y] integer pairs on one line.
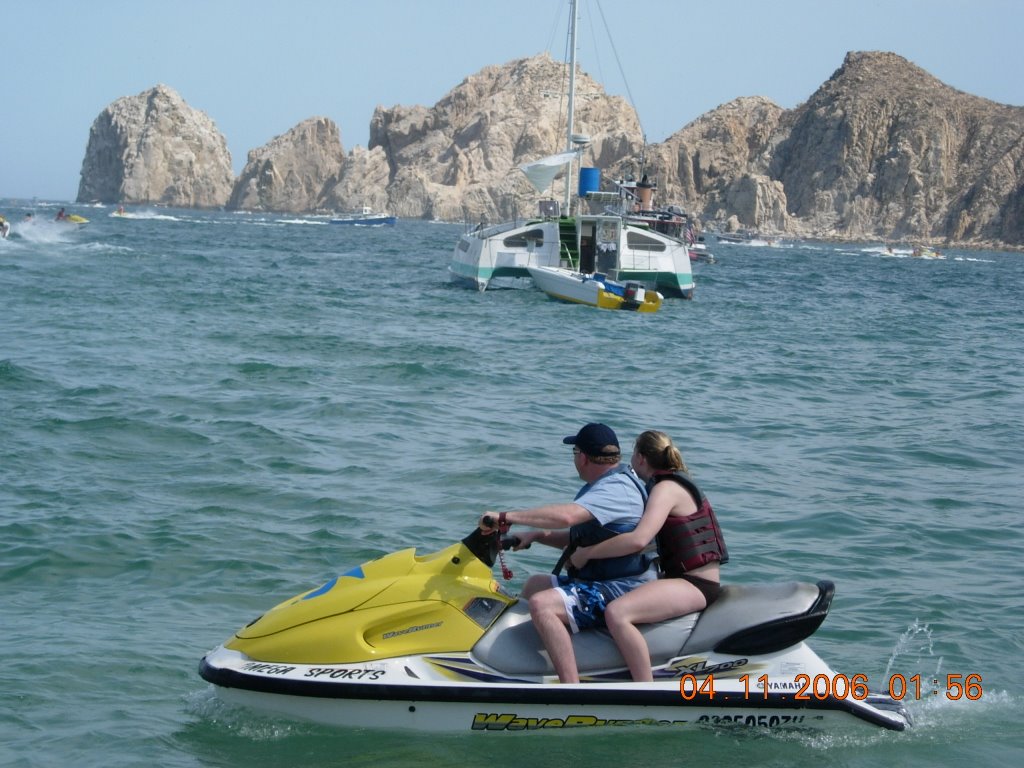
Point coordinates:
[[595, 440]]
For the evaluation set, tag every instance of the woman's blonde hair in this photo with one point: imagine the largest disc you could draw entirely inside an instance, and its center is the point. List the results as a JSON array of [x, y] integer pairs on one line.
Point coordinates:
[[660, 452]]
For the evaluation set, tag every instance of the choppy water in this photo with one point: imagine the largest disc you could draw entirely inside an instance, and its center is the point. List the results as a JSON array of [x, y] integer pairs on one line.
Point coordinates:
[[201, 414]]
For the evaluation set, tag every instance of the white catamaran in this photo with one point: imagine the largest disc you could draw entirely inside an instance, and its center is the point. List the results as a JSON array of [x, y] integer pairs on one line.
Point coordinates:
[[621, 235]]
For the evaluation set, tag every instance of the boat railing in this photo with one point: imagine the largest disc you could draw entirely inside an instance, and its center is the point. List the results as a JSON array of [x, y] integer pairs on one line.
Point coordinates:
[[565, 253], [482, 232], [605, 203]]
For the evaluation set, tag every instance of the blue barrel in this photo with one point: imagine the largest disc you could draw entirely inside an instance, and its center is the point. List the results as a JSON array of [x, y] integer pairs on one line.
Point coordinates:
[[590, 180]]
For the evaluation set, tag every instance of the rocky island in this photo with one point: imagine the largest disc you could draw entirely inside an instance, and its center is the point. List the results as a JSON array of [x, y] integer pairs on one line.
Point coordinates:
[[156, 148], [882, 150]]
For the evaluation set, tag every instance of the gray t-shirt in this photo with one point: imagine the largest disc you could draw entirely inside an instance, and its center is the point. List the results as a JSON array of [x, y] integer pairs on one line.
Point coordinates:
[[615, 497]]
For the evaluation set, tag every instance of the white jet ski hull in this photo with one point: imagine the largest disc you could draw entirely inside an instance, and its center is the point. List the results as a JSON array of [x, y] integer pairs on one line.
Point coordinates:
[[452, 693]]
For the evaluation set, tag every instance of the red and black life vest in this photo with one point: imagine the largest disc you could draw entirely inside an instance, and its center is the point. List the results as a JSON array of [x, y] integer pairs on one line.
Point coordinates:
[[687, 543]]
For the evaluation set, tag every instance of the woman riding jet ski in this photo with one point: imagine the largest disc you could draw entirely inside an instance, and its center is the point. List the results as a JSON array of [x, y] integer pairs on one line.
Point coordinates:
[[434, 643]]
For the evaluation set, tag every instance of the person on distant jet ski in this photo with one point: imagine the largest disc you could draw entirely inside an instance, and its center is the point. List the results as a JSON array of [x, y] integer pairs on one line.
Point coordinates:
[[690, 550], [611, 502]]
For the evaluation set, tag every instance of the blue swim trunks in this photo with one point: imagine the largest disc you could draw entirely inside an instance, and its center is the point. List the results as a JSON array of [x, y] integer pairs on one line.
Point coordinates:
[[585, 601]]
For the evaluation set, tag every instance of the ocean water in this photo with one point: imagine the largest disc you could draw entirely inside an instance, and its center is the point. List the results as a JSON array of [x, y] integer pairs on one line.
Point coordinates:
[[202, 414]]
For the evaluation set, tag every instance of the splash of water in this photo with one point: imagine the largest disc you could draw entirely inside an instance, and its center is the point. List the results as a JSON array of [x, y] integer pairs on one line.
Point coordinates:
[[916, 644], [44, 232]]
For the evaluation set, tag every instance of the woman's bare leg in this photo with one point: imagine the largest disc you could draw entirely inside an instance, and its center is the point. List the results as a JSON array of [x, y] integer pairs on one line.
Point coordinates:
[[648, 603]]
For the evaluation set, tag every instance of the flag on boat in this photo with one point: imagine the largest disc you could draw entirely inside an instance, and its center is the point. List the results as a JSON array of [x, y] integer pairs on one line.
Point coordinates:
[[542, 172]]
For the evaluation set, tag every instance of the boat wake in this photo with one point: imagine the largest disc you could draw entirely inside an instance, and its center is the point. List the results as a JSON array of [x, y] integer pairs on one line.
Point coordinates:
[[247, 724], [317, 222], [884, 250], [147, 215], [43, 232]]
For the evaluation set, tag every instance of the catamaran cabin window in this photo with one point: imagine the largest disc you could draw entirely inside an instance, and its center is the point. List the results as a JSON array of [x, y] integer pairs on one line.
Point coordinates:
[[522, 239], [640, 242]]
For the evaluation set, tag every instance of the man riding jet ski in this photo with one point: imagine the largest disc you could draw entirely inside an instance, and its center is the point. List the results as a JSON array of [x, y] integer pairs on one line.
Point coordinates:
[[432, 642]]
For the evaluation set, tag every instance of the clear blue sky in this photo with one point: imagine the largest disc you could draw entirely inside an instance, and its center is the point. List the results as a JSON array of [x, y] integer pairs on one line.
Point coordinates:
[[259, 67]]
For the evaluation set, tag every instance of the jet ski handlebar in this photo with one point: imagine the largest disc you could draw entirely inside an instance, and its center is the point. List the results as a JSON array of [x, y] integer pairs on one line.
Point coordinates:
[[507, 542], [485, 545]]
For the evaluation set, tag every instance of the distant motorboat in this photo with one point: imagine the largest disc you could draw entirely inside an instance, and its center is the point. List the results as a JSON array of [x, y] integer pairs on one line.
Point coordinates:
[[728, 237], [752, 239], [699, 252], [595, 290], [366, 218], [736, 238], [924, 252]]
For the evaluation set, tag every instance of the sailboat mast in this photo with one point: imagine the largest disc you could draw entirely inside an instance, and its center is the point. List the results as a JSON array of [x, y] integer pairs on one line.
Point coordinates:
[[569, 147]]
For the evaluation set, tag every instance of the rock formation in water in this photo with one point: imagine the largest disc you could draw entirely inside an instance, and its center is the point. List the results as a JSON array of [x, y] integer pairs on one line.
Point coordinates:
[[363, 181], [882, 150], [292, 172], [459, 159], [885, 149], [718, 165], [155, 148]]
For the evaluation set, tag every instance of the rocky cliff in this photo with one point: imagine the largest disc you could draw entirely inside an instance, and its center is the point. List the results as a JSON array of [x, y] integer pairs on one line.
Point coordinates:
[[459, 159], [718, 165], [364, 180], [292, 172], [882, 150], [155, 148]]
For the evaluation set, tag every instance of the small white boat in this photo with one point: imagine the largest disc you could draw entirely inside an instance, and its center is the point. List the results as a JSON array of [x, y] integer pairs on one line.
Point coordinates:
[[699, 253], [595, 290], [603, 242], [366, 218], [741, 237]]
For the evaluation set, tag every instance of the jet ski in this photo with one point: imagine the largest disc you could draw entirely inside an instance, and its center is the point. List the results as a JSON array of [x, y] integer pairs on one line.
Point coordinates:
[[434, 643]]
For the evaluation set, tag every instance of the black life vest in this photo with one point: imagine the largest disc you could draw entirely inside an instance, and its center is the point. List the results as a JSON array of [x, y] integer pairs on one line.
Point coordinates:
[[687, 543], [592, 532]]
